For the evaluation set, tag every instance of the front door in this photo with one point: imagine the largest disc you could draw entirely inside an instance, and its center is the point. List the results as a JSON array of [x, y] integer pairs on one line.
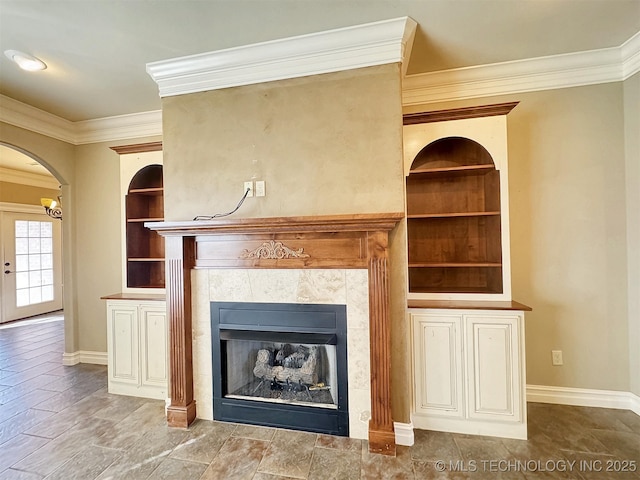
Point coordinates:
[[31, 265]]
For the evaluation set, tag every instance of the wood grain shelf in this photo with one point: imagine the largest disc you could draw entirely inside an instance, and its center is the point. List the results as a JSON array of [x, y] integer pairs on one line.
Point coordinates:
[[453, 170], [454, 265], [149, 259], [452, 215], [148, 191], [142, 220]]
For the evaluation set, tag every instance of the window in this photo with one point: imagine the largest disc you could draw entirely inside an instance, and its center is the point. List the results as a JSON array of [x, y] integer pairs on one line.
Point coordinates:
[[34, 262]]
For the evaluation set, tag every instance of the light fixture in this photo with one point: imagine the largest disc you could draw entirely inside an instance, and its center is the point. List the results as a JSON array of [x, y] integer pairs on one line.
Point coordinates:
[[25, 61], [51, 207]]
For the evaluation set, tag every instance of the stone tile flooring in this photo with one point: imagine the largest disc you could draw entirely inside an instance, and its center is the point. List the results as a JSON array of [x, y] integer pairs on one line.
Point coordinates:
[[60, 423]]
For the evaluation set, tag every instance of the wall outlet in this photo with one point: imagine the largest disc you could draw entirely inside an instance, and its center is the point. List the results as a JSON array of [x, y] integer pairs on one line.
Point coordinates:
[[556, 357], [248, 186], [260, 188]]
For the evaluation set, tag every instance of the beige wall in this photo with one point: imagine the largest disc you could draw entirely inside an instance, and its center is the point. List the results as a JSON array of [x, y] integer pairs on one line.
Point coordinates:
[[25, 194], [632, 156], [325, 144], [568, 232]]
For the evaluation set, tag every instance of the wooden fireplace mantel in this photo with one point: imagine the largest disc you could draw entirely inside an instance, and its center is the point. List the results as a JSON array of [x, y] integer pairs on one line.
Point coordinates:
[[328, 241]]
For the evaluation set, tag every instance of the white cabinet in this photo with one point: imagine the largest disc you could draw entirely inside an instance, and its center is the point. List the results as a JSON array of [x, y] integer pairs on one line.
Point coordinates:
[[137, 338], [469, 371]]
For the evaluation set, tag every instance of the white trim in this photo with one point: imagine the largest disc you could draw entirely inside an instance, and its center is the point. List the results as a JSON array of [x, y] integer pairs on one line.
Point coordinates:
[[10, 175], [630, 53], [634, 401], [359, 46], [136, 125], [529, 75], [21, 208], [404, 433], [584, 397], [84, 356], [30, 118]]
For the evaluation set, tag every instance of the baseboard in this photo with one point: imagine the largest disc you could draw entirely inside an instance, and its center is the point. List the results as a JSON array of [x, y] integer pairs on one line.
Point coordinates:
[[584, 397], [404, 433], [84, 356]]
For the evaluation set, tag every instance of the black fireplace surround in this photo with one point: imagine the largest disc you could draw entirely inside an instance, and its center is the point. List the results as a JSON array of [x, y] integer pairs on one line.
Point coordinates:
[[298, 330]]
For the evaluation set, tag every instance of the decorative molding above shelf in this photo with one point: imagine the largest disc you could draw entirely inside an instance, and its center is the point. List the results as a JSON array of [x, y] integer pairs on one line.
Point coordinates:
[[459, 113], [138, 148]]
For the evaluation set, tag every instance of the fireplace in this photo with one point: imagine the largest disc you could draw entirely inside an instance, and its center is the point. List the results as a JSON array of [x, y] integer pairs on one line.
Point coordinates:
[[281, 365], [282, 244]]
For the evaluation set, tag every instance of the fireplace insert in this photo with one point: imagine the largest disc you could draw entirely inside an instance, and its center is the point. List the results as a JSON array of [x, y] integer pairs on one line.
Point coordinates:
[[281, 365]]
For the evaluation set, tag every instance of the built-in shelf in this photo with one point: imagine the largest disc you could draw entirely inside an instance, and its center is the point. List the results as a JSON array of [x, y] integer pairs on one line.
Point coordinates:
[[145, 248], [454, 227]]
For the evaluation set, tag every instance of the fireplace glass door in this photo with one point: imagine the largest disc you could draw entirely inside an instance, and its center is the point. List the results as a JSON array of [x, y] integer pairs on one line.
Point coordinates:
[[296, 369], [281, 365]]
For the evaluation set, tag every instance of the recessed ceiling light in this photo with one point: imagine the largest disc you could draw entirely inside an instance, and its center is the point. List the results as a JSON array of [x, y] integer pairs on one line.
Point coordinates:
[[25, 61]]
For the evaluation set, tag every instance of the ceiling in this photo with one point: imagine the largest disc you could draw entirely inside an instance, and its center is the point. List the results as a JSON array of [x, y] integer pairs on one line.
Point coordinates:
[[96, 51], [14, 160]]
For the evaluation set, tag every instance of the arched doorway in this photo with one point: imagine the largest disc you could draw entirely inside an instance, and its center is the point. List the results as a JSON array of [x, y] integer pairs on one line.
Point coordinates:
[[30, 241]]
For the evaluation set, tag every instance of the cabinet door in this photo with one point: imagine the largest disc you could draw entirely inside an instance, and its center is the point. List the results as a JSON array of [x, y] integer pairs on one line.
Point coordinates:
[[438, 364], [153, 345], [122, 337], [493, 370]]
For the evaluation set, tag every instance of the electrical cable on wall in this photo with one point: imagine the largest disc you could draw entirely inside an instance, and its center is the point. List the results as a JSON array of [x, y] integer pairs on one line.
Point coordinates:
[[218, 215]]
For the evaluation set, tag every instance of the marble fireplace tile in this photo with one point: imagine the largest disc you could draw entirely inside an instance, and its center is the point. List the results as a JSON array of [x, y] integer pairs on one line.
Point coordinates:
[[203, 395], [359, 412], [358, 358], [229, 285], [322, 286], [357, 293], [200, 293], [275, 286]]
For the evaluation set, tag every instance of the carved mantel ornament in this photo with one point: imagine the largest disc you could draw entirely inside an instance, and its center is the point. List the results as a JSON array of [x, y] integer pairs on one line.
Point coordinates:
[[273, 250]]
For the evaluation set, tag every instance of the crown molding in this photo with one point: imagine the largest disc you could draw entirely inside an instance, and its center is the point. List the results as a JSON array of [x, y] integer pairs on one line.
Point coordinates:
[[10, 175], [121, 127], [605, 65], [377, 43], [31, 118], [630, 52]]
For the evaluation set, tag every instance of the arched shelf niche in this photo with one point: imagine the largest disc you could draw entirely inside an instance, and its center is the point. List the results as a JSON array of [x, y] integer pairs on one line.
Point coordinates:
[[454, 219], [145, 248]]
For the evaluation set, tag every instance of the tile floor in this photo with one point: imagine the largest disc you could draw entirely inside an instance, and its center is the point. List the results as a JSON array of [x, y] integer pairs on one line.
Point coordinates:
[[59, 422]]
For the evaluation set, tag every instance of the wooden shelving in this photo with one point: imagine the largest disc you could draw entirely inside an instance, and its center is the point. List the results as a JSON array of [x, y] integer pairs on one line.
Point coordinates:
[[145, 248], [454, 219], [453, 214]]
